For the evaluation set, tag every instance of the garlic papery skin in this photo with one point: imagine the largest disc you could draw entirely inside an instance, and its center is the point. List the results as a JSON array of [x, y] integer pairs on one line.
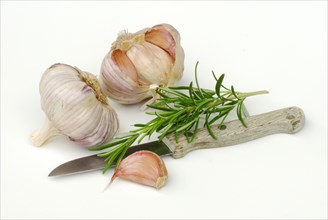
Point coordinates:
[[75, 107], [139, 62], [144, 167]]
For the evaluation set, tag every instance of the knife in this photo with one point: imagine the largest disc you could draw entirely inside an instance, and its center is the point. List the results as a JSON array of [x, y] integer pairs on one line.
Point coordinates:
[[287, 120]]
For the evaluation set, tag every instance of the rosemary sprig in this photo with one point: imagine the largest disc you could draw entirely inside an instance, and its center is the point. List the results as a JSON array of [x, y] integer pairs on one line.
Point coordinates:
[[180, 109]]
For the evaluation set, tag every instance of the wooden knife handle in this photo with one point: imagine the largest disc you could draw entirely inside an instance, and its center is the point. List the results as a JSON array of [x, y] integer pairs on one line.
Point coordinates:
[[287, 120]]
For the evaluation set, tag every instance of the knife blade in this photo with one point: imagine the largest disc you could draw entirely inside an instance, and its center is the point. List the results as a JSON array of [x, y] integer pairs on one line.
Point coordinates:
[[287, 120]]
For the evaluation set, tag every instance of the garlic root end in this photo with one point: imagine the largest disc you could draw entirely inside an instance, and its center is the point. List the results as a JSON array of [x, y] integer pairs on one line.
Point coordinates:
[[44, 134], [160, 182], [108, 185]]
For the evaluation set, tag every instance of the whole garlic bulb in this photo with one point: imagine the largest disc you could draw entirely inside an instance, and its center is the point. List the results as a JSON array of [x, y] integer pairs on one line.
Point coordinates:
[[138, 63], [75, 107]]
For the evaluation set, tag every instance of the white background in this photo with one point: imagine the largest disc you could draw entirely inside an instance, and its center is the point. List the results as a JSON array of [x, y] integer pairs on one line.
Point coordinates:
[[278, 46]]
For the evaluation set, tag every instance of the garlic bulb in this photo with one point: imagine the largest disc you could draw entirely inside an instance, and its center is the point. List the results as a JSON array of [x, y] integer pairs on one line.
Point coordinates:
[[75, 107], [138, 63], [144, 167]]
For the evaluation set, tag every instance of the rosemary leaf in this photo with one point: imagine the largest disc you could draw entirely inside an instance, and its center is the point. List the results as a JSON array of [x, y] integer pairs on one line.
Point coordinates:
[[239, 114], [112, 157], [234, 93], [118, 161], [182, 128], [111, 144], [219, 85], [195, 130], [216, 79], [208, 126], [159, 108], [191, 94], [196, 79]]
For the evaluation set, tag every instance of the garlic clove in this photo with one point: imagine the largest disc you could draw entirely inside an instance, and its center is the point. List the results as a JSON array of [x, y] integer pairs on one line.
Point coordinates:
[[178, 67], [124, 64], [162, 38], [143, 167], [118, 85], [152, 61]]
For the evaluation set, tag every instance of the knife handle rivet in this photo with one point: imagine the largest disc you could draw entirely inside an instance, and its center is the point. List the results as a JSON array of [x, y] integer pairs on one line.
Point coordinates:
[[222, 127], [190, 134]]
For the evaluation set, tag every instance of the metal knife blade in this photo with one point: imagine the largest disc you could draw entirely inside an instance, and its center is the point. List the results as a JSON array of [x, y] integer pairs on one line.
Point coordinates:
[[94, 162]]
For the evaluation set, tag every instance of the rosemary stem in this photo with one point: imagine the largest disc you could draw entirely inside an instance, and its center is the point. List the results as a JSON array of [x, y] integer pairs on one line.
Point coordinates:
[[248, 94]]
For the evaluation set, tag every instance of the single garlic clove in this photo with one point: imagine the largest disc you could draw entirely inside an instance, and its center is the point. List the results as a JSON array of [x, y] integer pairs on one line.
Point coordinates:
[[144, 167], [124, 63], [178, 66], [139, 62], [75, 107], [118, 84], [152, 61], [161, 37]]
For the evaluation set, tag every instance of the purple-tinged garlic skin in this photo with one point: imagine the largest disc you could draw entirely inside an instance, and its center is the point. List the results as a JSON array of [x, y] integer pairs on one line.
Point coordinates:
[[137, 63], [143, 167], [75, 107]]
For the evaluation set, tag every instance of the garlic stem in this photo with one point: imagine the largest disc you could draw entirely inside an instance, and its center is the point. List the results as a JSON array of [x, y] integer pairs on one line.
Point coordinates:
[[44, 134], [152, 91]]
